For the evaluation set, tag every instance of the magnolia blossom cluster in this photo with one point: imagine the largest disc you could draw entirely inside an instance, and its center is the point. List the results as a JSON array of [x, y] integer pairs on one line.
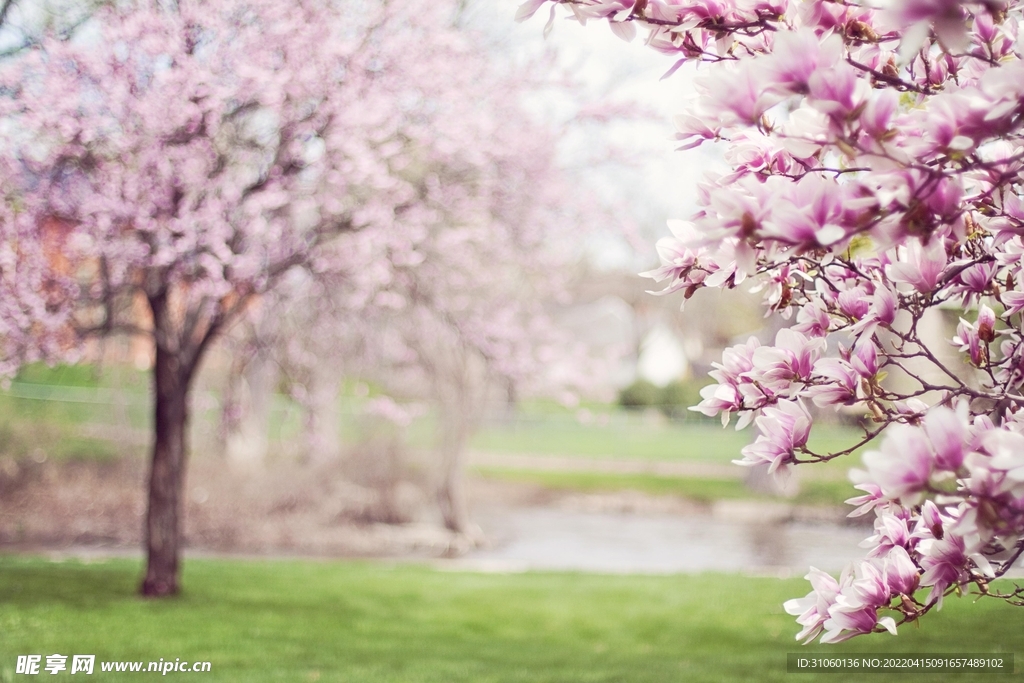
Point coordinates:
[[874, 186], [948, 499]]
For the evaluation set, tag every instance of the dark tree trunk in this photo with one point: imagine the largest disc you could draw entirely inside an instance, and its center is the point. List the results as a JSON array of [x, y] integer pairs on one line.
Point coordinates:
[[167, 473]]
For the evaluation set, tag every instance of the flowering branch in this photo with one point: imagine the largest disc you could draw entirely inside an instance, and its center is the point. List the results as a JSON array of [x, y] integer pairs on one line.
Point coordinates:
[[875, 182]]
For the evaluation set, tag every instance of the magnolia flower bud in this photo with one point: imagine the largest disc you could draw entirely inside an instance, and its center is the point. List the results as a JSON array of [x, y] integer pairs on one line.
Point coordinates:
[[986, 324]]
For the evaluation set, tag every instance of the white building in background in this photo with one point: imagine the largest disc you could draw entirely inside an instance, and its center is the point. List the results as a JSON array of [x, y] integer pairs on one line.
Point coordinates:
[[662, 358], [648, 337]]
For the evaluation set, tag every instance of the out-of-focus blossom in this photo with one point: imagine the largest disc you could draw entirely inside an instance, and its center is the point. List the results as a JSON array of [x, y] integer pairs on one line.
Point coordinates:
[[918, 265], [866, 503], [903, 466], [947, 432]]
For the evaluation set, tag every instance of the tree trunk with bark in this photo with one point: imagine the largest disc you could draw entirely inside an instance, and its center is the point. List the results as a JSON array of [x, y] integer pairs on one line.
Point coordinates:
[[167, 473], [181, 337]]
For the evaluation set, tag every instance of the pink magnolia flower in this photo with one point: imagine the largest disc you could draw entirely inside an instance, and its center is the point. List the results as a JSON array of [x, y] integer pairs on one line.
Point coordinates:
[[812, 611], [947, 431], [807, 132], [839, 386], [986, 324], [918, 265], [854, 302], [745, 101], [866, 503], [741, 212], [891, 531], [694, 128], [1014, 302], [1006, 449], [945, 563], [881, 311], [783, 428], [726, 396], [816, 211], [883, 305], [930, 522], [1010, 371], [968, 339], [736, 362], [973, 282], [679, 256], [813, 320], [903, 466], [720, 398], [829, 16], [864, 358], [790, 360], [758, 153], [837, 91], [947, 16], [855, 610], [878, 113], [796, 56], [901, 574]]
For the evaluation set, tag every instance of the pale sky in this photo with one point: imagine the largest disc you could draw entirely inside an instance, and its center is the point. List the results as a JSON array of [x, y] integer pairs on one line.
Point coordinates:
[[666, 186]]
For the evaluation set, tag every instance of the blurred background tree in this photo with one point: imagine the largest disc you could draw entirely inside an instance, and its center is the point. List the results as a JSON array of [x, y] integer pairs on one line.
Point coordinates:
[[168, 168]]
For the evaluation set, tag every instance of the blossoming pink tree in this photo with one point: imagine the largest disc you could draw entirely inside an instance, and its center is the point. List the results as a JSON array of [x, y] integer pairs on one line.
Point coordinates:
[[473, 313], [876, 159], [464, 308], [189, 157]]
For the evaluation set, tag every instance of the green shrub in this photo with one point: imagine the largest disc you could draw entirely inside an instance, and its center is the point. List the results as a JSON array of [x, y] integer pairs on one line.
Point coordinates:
[[639, 395], [676, 398]]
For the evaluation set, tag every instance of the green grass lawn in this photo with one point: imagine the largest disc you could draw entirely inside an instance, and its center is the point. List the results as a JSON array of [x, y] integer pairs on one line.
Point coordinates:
[[630, 436], [54, 413], [702, 490], [76, 405], [626, 437], [367, 622], [82, 412]]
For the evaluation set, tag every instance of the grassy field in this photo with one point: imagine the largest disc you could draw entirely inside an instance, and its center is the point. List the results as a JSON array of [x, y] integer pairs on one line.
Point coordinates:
[[368, 622], [83, 412], [79, 412], [628, 435], [702, 490], [625, 437], [33, 424], [62, 398]]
